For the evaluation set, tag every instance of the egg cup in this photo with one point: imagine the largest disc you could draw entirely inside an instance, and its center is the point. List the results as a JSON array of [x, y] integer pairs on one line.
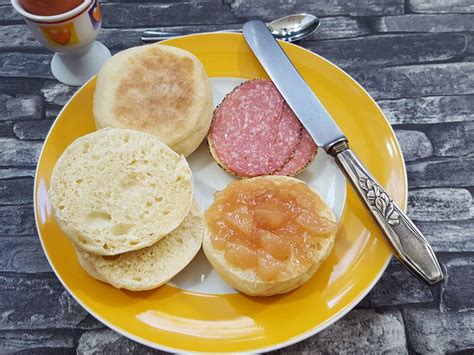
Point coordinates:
[[72, 36]]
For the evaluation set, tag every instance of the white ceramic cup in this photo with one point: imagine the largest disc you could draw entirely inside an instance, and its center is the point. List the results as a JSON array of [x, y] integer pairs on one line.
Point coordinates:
[[72, 36]]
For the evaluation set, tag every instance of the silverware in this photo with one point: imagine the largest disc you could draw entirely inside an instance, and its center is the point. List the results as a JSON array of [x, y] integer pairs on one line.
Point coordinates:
[[289, 28], [409, 245]]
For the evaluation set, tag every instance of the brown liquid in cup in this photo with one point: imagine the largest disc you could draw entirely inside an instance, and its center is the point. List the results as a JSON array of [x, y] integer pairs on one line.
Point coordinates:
[[49, 7]]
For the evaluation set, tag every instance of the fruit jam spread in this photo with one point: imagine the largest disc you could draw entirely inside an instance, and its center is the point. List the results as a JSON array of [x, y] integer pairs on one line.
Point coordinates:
[[270, 227]]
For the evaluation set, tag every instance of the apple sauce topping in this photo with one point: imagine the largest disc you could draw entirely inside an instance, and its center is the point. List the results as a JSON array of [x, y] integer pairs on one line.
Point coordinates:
[[267, 227]]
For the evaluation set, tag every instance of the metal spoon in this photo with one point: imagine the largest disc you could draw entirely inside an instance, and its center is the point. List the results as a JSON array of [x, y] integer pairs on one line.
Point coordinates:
[[289, 28]]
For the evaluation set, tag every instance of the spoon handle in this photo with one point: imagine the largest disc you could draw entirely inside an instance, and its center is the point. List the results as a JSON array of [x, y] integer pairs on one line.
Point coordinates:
[[151, 36]]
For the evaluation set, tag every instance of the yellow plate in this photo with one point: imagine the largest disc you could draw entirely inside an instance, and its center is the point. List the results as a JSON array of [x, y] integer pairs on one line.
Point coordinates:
[[176, 320]]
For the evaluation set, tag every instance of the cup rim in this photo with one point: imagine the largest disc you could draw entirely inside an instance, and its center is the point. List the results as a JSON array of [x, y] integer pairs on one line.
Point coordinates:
[[54, 18]]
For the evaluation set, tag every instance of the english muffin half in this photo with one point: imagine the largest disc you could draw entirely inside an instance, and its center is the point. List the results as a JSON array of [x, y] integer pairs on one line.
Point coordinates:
[[295, 274], [153, 266], [156, 89], [118, 190]]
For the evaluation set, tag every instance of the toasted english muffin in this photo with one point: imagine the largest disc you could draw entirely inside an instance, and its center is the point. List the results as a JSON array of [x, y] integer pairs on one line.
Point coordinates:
[[247, 280], [157, 89], [255, 133], [153, 266], [118, 190]]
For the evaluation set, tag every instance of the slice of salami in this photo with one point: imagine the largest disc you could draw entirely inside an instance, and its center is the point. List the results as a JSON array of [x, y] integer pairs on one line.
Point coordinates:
[[289, 134], [251, 133], [304, 153]]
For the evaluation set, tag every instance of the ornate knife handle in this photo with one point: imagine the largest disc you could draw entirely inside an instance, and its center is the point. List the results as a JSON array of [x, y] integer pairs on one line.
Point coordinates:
[[410, 246]]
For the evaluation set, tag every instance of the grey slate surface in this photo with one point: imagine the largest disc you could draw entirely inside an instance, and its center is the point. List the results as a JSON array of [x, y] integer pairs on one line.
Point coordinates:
[[415, 57]]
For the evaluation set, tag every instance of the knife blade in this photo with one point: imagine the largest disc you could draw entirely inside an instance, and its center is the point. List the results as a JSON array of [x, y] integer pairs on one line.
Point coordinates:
[[407, 242]]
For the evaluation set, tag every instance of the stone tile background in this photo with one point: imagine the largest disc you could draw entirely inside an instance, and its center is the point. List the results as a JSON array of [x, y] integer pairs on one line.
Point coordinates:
[[415, 57]]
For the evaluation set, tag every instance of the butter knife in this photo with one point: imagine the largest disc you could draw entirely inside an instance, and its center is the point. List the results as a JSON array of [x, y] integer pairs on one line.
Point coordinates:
[[408, 244]]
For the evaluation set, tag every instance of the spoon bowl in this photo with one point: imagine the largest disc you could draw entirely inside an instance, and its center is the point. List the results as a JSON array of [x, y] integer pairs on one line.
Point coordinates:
[[292, 28]]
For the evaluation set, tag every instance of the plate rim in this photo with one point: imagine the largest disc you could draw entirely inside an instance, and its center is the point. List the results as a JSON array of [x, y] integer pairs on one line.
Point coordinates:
[[337, 316]]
